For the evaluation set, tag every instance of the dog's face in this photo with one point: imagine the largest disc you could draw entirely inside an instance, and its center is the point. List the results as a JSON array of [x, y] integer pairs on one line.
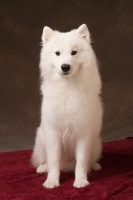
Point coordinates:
[[64, 53]]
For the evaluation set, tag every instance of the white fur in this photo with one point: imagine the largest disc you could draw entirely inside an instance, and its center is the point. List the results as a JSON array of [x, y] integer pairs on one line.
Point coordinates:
[[71, 116]]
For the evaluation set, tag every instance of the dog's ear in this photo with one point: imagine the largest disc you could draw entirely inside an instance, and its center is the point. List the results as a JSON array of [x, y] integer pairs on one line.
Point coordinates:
[[47, 33], [83, 31]]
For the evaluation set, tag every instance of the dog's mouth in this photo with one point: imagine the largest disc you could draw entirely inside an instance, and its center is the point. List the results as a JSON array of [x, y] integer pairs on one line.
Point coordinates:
[[65, 73]]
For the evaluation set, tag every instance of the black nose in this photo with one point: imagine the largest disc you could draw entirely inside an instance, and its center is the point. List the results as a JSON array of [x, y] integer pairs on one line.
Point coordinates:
[[65, 67]]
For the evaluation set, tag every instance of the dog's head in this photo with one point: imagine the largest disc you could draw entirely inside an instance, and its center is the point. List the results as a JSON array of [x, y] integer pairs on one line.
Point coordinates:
[[65, 53]]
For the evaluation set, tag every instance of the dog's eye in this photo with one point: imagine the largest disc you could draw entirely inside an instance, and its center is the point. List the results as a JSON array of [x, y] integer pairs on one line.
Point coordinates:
[[57, 53], [73, 53]]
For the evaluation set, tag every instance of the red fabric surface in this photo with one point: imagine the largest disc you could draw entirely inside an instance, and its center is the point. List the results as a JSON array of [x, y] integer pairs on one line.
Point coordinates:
[[18, 180]]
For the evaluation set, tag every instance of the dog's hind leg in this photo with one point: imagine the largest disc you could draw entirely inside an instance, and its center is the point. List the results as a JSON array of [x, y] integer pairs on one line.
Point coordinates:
[[96, 155], [42, 169], [39, 155], [96, 166]]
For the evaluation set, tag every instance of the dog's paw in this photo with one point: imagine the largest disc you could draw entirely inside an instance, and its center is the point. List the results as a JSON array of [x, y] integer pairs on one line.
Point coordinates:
[[41, 169], [80, 183], [51, 184], [96, 167]]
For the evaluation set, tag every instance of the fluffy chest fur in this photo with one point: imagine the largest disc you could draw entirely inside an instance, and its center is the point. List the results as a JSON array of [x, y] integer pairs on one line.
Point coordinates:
[[68, 104]]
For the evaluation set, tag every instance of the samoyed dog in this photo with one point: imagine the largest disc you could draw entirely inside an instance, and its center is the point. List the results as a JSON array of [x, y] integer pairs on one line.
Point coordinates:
[[71, 115]]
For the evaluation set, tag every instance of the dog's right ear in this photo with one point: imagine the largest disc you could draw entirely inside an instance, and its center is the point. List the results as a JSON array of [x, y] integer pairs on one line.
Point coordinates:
[[47, 34]]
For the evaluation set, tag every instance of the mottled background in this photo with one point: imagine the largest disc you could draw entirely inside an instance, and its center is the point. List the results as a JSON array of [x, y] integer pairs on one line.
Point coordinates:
[[21, 23]]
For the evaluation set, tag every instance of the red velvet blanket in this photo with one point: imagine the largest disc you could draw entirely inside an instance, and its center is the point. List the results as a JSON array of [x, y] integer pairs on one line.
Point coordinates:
[[19, 181]]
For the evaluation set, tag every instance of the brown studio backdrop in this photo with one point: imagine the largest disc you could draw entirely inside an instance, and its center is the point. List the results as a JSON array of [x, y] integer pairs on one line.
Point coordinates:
[[111, 26]]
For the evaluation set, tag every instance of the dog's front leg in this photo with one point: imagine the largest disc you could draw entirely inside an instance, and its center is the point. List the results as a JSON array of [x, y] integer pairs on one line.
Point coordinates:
[[82, 160], [53, 150]]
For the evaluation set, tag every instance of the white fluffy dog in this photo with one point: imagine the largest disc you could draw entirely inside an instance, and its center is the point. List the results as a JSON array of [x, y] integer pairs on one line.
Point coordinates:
[[71, 116]]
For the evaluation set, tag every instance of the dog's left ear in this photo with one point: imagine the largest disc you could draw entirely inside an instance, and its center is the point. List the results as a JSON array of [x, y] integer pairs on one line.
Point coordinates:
[[84, 32]]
